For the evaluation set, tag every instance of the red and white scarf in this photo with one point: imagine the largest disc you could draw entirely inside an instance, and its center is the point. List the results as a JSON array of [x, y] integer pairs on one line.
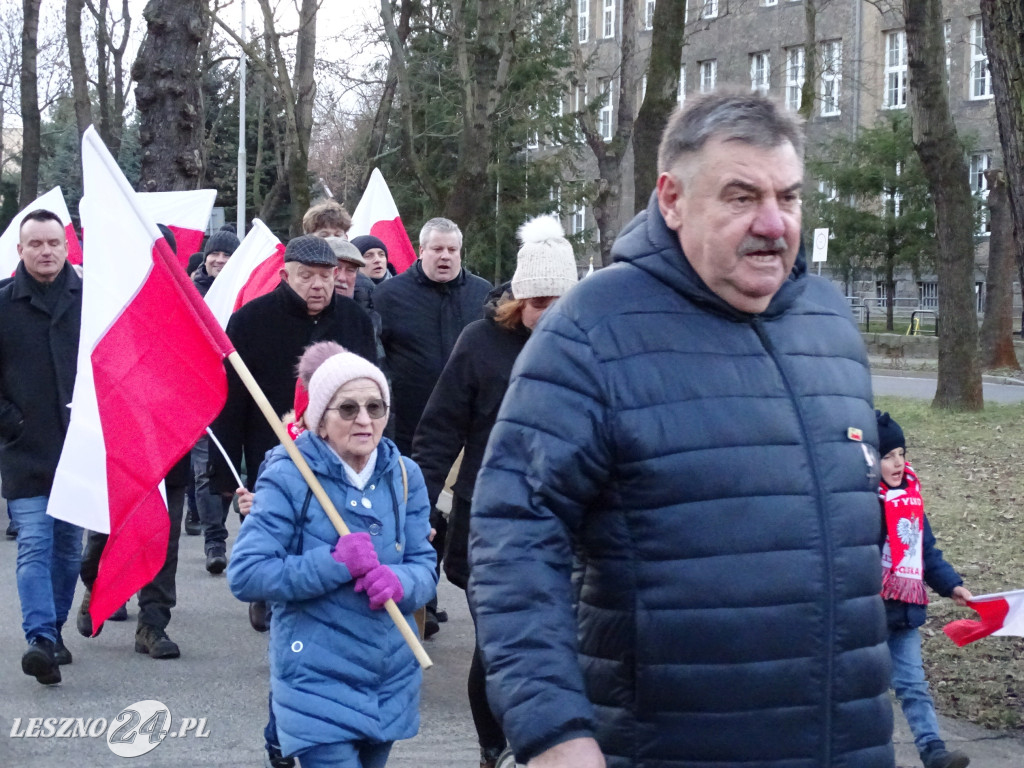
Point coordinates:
[[904, 541]]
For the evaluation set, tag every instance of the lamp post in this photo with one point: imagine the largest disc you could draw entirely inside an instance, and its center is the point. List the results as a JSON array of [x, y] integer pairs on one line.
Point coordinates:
[[240, 226]]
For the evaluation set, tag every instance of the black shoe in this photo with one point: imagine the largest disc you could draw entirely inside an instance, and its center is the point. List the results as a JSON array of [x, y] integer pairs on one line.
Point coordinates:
[[84, 621], [121, 614], [259, 615], [274, 759], [156, 643], [39, 662], [12, 531], [192, 525], [938, 757], [60, 652], [431, 626], [216, 561], [442, 616]]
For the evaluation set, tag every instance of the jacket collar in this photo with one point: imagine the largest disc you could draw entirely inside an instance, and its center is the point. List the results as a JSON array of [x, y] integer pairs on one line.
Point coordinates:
[[422, 279], [649, 244], [22, 289]]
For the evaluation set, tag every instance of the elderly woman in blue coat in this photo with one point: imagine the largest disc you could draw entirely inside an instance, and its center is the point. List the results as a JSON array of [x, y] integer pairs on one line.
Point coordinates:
[[345, 684]]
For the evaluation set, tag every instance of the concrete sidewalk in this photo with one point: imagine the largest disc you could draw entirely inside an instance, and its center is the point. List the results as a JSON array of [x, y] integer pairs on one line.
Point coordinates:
[[987, 749]]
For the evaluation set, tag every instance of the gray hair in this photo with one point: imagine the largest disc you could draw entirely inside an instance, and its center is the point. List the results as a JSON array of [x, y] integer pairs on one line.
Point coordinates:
[[729, 115], [439, 225]]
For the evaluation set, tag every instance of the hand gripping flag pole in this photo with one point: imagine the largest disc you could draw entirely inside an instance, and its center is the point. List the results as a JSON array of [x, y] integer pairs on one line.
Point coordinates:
[[321, 495]]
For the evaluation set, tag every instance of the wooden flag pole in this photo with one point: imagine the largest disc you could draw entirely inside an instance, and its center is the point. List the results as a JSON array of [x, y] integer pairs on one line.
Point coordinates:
[[321, 495]]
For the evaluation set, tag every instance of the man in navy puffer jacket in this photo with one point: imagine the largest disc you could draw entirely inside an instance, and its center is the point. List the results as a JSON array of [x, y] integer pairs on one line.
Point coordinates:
[[673, 545]]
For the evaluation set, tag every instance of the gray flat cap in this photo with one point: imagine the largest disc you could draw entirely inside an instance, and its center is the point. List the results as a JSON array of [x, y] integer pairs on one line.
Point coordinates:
[[310, 250]]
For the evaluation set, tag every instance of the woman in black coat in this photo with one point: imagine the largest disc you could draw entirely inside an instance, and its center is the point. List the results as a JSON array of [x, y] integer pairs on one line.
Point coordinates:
[[464, 406]]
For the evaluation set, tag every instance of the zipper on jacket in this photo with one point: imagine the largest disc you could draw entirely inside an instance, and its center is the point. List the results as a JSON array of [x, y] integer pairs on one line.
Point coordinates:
[[758, 325]]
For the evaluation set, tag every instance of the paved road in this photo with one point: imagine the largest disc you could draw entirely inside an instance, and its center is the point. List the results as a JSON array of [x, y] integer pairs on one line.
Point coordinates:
[[922, 385], [221, 676]]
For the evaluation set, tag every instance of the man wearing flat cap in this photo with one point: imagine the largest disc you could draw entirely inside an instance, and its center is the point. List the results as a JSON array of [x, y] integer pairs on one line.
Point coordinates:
[[270, 333]]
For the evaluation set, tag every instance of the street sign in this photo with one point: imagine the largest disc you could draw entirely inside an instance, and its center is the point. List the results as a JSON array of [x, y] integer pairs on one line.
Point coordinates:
[[820, 252]]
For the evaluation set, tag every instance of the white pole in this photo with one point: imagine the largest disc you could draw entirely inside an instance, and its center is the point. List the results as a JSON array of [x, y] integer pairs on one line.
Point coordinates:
[[240, 225]]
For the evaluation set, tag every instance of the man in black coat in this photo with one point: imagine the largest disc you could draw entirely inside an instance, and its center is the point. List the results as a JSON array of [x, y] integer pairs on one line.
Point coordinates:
[[270, 334], [40, 319], [423, 311]]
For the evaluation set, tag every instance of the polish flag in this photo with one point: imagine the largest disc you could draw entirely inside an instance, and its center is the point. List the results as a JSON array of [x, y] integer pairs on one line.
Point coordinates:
[[255, 250], [1002, 614], [186, 214], [51, 201], [150, 378], [263, 279], [377, 215]]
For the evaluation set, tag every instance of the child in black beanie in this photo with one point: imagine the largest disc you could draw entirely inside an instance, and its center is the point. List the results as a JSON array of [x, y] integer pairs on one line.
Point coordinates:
[[909, 559]]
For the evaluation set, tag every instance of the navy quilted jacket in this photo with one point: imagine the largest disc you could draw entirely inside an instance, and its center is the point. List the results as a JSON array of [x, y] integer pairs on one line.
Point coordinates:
[[694, 463]]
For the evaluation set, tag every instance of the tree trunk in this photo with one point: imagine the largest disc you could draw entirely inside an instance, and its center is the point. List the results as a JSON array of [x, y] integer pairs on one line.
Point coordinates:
[[997, 328], [168, 96], [667, 40], [30, 117], [305, 91], [79, 70], [937, 144], [810, 59], [1003, 22]]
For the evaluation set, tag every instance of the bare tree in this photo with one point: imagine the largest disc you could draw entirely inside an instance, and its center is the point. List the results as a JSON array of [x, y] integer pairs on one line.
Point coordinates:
[[297, 91], [997, 328], [112, 34], [168, 95], [10, 66], [79, 70], [667, 40], [1003, 22], [937, 144], [30, 115]]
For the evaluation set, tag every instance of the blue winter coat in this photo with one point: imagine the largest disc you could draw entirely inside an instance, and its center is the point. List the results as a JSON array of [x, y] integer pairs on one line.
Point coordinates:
[[697, 462], [339, 671]]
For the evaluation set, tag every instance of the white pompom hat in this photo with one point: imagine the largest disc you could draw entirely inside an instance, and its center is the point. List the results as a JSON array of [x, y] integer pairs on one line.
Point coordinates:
[[546, 264], [334, 373]]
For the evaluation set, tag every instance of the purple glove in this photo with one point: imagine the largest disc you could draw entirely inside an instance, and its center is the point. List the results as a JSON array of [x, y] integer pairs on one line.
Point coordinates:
[[355, 551], [381, 584]]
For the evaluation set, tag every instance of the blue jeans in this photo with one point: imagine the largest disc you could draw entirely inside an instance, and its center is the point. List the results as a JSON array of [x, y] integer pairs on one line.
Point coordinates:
[[347, 754], [49, 553], [212, 507], [911, 688]]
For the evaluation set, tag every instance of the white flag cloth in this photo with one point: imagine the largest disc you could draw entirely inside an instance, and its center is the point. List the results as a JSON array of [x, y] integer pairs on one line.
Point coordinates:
[[51, 201], [257, 247]]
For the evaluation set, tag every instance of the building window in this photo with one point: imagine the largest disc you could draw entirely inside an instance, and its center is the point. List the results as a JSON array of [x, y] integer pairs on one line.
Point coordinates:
[[828, 191], [980, 162], [794, 77], [649, 14], [555, 198], [608, 19], [896, 70], [681, 94], [981, 78], [759, 72], [708, 75], [928, 295], [892, 199], [532, 135], [831, 76], [583, 14], [767, 3], [604, 118], [946, 31], [578, 220], [709, 9]]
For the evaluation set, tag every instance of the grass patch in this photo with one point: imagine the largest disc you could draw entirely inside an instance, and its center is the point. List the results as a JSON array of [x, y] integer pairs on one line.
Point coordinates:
[[973, 486]]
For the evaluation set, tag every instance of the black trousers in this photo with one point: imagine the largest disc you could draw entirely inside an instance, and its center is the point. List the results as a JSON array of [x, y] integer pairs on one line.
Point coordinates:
[[157, 598]]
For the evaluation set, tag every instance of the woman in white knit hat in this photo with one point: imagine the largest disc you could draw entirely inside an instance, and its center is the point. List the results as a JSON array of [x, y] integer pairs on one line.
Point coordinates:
[[344, 683], [464, 405]]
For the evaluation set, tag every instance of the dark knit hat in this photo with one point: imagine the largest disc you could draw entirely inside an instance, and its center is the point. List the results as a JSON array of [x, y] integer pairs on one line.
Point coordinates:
[[194, 261], [169, 237], [310, 250], [223, 240], [890, 435], [366, 242]]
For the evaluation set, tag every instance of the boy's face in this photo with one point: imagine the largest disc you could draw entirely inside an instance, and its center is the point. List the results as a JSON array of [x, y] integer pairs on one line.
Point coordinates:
[[893, 464]]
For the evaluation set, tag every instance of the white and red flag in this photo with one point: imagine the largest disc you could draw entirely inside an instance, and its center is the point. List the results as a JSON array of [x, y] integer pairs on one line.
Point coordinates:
[[150, 378], [250, 272], [51, 201], [186, 214], [1001, 614], [377, 215]]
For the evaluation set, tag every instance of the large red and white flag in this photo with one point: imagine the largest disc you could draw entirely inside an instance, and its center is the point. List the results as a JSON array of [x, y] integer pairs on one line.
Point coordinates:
[[1001, 614], [377, 215], [237, 276], [150, 378], [51, 201], [186, 214]]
